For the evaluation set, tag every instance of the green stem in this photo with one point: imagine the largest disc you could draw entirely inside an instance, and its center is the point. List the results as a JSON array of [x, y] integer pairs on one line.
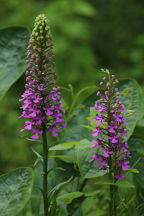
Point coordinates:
[[113, 187], [113, 198], [45, 170], [83, 185]]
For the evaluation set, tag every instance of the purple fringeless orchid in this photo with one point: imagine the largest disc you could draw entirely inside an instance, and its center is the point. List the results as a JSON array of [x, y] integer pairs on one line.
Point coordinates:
[[41, 99], [111, 136]]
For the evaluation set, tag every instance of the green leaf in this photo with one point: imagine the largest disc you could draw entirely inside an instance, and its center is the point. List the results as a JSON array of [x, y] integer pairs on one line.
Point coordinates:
[[69, 197], [141, 123], [15, 191], [125, 184], [92, 207], [84, 154], [132, 101], [136, 146], [57, 187], [39, 157], [104, 181], [74, 130], [87, 126], [53, 206], [93, 193], [63, 146], [107, 181], [37, 154], [125, 91], [36, 196], [13, 43], [133, 170], [60, 156]]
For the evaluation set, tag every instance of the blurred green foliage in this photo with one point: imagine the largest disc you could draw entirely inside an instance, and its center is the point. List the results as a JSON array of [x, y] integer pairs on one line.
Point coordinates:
[[88, 35]]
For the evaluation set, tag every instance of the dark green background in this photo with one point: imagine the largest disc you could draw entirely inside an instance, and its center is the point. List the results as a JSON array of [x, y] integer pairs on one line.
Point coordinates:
[[88, 35]]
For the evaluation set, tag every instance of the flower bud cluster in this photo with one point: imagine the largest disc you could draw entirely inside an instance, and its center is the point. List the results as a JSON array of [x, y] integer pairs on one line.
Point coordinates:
[[110, 133], [41, 99]]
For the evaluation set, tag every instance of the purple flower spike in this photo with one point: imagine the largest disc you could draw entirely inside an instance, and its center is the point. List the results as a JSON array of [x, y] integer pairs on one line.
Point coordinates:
[[111, 138], [41, 99]]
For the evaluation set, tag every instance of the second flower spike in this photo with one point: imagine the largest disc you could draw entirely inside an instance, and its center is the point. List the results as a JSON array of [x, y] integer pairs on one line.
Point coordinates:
[[110, 133]]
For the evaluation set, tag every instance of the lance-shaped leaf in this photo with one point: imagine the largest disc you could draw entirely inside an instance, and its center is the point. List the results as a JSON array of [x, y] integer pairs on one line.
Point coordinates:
[[69, 197], [15, 191], [63, 146], [13, 43], [83, 155], [132, 98], [136, 145]]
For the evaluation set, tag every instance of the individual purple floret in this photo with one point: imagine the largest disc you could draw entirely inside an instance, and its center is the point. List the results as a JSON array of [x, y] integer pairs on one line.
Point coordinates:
[[41, 99], [110, 133]]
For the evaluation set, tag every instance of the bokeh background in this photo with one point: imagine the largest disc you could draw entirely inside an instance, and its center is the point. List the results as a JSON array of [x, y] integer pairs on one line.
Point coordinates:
[[88, 35]]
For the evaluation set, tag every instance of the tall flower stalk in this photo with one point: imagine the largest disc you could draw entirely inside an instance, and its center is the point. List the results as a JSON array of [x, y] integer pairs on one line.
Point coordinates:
[[110, 135], [42, 106]]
